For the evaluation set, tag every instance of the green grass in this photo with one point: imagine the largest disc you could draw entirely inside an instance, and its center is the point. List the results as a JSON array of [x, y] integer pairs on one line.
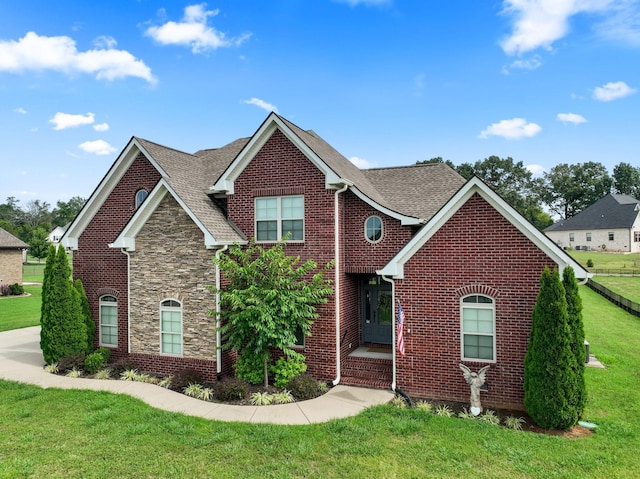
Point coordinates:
[[607, 260], [21, 311], [626, 286], [90, 434], [33, 272]]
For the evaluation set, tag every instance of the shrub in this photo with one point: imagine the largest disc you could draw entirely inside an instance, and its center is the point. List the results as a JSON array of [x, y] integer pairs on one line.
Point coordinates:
[[287, 368], [16, 289], [283, 397], [490, 417], [5, 290], [129, 375], [443, 410], [120, 367], [193, 390], [589, 263], [261, 398], [184, 377], [231, 389], [72, 361], [103, 374], [249, 367], [52, 368], [74, 373], [514, 423], [303, 387], [576, 338], [96, 360], [86, 314], [424, 406]]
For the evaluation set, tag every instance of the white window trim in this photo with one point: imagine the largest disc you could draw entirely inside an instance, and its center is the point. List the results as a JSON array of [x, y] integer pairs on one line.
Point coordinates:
[[113, 304], [278, 218], [366, 236], [138, 202], [492, 307], [172, 308]]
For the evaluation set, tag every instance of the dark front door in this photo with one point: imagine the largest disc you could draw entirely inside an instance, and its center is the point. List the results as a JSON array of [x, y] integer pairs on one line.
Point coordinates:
[[377, 312]]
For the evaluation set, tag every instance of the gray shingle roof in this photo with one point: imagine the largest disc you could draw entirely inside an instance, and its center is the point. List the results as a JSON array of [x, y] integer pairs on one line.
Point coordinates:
[[611, 212], [8, 241]]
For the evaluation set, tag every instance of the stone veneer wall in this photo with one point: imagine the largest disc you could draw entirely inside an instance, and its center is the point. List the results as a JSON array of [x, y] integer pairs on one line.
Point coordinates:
[[171, 262], [10, 266]]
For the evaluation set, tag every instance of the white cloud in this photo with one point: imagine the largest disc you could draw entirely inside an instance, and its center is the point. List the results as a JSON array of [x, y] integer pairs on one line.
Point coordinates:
[[193, 31], [536, 169], [97, 147], [65, 120], [612, 91], [539, 23], [513, 129], [20, 110], [35, 52], [532, 63], [571, 118], [105, 41], [261, 104], [361, 162], [101, 126]]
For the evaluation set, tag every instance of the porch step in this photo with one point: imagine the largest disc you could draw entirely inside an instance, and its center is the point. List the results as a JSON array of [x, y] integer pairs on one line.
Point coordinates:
[[367, 372]]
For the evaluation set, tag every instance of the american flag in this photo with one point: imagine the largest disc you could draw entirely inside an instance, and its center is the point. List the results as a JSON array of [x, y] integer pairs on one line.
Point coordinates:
[[400, 328]]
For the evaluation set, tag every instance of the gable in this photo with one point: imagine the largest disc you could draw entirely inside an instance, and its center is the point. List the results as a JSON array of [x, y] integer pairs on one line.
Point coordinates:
[[395, 268]]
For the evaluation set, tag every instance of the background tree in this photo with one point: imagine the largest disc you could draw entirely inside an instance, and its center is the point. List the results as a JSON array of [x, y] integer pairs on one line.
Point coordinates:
[[626, 180], [576, 330], [63, 331], [38, 244], [36, 213], [568, 189], [550, 381], [65, 213], [268, 297]]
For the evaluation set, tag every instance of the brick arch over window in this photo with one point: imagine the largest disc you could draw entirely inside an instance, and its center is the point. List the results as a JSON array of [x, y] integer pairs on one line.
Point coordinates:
[[477, 289], [108, 292]]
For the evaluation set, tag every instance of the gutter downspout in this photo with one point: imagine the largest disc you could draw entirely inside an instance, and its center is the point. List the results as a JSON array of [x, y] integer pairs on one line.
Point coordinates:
[[218, 334], [393, 330], [124, 250], [336, 233]]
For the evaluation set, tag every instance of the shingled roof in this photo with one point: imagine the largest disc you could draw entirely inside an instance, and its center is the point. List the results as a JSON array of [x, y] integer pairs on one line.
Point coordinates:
[[8, 241], [611, 212]]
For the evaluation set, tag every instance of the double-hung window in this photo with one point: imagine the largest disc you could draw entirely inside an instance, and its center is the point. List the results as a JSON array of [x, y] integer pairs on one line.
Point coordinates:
[[478, 328], [108, 321], [171, 327], [277, 216]]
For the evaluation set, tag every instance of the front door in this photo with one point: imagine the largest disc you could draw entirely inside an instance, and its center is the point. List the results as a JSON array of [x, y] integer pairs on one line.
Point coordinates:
[[377, 312]]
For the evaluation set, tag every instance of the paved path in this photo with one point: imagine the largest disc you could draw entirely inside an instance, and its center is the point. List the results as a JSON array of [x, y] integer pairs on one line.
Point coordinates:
[[21, 360]]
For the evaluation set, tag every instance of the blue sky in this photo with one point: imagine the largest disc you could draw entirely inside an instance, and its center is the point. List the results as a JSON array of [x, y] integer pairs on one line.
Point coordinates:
[[386, 82]]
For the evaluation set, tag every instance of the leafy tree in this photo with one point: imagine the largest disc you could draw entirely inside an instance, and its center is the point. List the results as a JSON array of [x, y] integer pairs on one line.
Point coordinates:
[[38, 244], [626, 179], [65, 213], [437, 159], [86, 314], [63, 331], [11, 213], [550, 382], [268, 297], [568, 189], [36, 213], [576, 329]]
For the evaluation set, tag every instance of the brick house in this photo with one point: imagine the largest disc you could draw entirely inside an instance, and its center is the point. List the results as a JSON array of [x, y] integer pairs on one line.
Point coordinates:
[[462, 263], [12, 253]]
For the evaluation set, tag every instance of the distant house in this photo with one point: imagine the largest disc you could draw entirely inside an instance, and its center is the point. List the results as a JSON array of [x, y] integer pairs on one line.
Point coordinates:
[[610, 224], [11, 251], [463, 264], [57, 233]]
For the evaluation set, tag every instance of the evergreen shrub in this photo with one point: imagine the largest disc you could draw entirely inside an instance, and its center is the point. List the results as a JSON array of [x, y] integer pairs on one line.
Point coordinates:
[[303, 386], [231, 389]]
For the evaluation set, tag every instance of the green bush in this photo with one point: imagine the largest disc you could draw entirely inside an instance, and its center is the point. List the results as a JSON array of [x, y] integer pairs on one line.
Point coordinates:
[[231, 389], [94, 361], [249, 367], [16, 289], [287, 368], [183, 378], [589, 263], [303, 387]]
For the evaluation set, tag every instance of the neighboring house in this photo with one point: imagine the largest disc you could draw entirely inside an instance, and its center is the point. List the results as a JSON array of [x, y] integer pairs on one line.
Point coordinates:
[[56, 235], [463, 264], [11, 258], [610, 224]]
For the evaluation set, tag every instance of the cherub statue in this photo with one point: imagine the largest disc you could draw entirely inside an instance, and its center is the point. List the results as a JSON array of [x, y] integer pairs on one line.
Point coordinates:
[[475, 381]]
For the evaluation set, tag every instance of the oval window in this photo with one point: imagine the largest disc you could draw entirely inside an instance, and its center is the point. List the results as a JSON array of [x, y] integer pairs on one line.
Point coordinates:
[[373, 229]]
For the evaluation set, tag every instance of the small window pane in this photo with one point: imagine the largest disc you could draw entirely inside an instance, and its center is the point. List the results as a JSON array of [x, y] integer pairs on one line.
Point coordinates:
[[266, 208], [292, 207], [267, 231], [294, 227]]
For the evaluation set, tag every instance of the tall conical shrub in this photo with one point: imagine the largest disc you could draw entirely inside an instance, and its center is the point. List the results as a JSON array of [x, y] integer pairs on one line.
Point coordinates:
[[576, 328], [550, 365], [63, 331], [86, 314]]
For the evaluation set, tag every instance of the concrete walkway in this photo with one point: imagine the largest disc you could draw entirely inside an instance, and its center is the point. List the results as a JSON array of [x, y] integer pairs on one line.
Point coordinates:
[[21, 360]]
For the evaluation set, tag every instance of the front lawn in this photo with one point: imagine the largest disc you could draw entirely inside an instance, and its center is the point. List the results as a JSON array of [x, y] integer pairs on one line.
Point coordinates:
[[607, 260], [89, 434], [21, 311], [627, 286]]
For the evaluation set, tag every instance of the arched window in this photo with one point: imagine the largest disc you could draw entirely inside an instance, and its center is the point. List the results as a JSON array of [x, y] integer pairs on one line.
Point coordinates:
[[171, 327], [478, 321], [140, 197], [373, 229], [108, 321]]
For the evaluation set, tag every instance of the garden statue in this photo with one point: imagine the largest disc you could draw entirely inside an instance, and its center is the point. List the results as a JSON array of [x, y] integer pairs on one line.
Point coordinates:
[[475, 381]]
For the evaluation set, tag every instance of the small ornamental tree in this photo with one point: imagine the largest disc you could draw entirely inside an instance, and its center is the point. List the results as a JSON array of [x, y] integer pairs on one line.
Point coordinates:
[[63, 331], [576, 330], [86, 314], [550, 365], [267, 298]]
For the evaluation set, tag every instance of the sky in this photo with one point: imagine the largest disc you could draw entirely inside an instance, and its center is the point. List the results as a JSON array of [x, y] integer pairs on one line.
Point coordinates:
[[385, 82]]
